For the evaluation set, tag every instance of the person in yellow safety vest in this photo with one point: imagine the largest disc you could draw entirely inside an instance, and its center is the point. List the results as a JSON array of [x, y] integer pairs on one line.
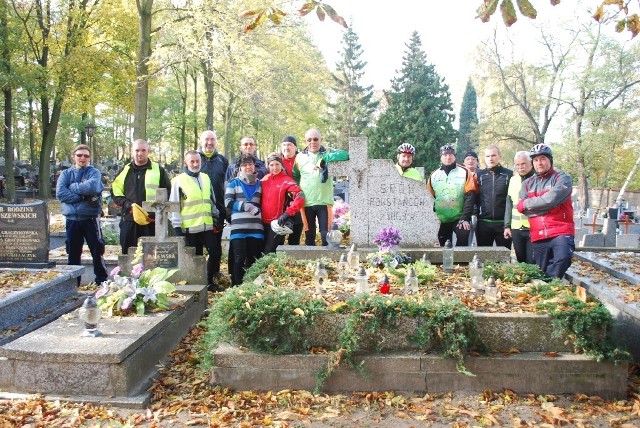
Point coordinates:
[[135, 183], [198, 218], [516, 225]]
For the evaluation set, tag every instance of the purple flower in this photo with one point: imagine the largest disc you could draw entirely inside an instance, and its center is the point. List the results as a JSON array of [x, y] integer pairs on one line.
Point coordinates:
[[115, 271], [387, 238]]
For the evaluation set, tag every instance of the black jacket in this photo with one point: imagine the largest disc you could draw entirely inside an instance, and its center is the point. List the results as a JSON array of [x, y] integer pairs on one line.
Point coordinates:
[[216, 167], [492, 192], [134, 190]]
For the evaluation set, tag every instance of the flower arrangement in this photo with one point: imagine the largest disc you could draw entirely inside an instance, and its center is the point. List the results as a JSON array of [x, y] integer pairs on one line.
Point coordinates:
[[144, 290], [387, 240], [341, 216]]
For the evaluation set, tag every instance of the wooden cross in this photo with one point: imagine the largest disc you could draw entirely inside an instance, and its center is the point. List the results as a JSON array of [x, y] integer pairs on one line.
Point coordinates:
[[162, 208], [594, 224], [626, 223]]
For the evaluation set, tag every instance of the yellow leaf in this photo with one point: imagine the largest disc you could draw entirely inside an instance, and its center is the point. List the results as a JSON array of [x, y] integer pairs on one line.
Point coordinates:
[[298, 312]]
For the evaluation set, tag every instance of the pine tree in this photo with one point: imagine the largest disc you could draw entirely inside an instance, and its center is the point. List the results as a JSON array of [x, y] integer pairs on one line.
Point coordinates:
[[467, 138], [353, 109], [419, 111]]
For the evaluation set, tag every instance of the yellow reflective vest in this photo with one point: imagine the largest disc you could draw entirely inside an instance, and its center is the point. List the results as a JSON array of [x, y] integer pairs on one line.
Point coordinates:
[[151, 182], [518, 220], [196, 208]]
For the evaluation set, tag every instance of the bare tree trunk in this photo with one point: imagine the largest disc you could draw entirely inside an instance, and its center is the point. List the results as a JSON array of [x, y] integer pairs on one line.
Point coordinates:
[[141, 96], [228, 128], [8, 104], [32, 133], [196, 137]]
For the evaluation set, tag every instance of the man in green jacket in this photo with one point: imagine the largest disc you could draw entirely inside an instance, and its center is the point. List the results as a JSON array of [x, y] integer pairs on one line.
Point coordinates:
[[312, 175]]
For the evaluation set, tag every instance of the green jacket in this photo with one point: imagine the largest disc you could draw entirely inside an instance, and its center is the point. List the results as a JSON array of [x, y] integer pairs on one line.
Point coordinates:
[[311, 173]]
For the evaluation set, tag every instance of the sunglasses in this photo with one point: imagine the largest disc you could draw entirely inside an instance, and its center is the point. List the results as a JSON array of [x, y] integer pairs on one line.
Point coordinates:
[[313, 139], [82, 155]]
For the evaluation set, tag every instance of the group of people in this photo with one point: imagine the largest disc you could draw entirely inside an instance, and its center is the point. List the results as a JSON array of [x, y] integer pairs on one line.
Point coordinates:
[[530, 208], [292, 192]]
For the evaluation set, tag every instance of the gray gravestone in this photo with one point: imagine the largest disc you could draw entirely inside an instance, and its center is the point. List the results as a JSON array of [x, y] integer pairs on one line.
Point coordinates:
[[379, 197], [609, 230], [166, 252], [628, 241], [24, 235]]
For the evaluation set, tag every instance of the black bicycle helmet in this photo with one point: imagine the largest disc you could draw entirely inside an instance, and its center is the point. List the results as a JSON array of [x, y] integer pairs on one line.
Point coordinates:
[[540, 149]]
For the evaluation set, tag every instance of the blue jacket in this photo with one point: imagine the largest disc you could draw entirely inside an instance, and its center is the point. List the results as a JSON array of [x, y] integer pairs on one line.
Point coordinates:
[[75, 188]]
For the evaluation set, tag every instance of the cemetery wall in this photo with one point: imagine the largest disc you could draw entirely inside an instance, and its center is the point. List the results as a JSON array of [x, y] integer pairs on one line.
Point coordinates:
[[607, 198]]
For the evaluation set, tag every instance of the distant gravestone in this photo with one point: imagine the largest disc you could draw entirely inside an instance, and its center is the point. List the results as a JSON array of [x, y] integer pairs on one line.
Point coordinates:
[[379, 197], [24, 235], [166, 252]]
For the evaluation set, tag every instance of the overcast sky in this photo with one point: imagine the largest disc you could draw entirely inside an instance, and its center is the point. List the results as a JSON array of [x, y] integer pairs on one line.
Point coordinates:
[[449, 32]]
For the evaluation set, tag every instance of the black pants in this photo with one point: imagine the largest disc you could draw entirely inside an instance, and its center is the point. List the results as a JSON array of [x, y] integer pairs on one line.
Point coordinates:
[[446, 232], [130, 231], [206, 240], [319, 213], [294, 238], [245, 252], [522, 246], [216, 255], [487, 232], [554, 255], [271, 240], [77, 232]]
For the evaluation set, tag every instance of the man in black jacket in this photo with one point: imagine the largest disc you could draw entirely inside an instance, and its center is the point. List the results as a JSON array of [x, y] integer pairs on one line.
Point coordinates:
[[492, 184], [215, 166]]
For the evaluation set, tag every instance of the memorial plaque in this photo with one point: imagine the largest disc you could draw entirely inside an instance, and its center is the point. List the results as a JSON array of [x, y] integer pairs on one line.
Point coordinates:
[[24, 235], [160, 254]]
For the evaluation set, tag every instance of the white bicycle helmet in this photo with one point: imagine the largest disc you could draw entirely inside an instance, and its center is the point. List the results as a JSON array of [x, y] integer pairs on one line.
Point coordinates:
[[281, 230]]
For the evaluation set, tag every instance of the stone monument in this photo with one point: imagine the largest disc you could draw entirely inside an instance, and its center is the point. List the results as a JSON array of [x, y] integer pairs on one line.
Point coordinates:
[[380, 197], [24, 235], [166, 252]]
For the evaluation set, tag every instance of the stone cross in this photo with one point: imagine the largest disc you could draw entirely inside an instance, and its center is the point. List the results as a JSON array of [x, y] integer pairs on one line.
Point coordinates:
[[594, 224], [380, 197], [162, 207]]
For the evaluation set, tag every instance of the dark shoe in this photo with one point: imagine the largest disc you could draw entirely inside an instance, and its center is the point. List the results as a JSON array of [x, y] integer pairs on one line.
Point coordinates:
[[215, 288]]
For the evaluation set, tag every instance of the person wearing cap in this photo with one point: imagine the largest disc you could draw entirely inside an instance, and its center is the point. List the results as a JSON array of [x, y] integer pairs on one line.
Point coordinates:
[[312, 175], [492, 184], [135, 183], [282, 199], [289, 149], [545, 198], [198, 218], [247, 146], [516, 225], [242, 199], [454, 193], [404, 154], [215, 165], [470, 161], [79, 190]]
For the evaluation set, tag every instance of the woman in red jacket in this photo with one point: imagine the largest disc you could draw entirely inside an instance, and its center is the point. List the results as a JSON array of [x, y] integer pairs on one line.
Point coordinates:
[[281, 200]]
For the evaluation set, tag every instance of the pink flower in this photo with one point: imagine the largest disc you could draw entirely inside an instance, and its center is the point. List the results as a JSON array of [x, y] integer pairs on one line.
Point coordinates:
[[137, 270], [115, 271]]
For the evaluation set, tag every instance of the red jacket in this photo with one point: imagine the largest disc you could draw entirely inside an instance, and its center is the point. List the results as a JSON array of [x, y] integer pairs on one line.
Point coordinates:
[[275, 189], [546, 200], [288, 164]]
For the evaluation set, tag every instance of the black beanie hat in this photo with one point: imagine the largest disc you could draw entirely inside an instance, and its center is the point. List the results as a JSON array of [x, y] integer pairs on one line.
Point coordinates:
[[470, 153], [290, 139]]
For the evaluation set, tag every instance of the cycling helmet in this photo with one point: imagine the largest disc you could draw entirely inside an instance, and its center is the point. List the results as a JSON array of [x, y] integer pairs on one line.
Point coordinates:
[[540, 149], [406, 148], [447, 148], [285, 229]]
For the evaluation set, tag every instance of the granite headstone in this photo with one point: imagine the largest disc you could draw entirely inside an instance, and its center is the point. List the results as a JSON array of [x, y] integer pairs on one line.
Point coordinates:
[[380, 197], [24, 235]]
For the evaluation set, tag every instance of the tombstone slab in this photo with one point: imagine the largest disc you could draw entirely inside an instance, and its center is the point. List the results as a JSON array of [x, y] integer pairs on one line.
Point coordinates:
[[593, 240], [24, 235], [379, 197], [628, 241]]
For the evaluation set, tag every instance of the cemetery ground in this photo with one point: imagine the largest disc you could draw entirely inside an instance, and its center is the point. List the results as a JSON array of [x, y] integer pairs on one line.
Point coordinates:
[[182, 395]]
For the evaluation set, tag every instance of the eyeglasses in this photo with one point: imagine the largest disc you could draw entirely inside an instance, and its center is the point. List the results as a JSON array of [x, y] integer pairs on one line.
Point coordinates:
[[313, 139], [248, 144], [82, 155]]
